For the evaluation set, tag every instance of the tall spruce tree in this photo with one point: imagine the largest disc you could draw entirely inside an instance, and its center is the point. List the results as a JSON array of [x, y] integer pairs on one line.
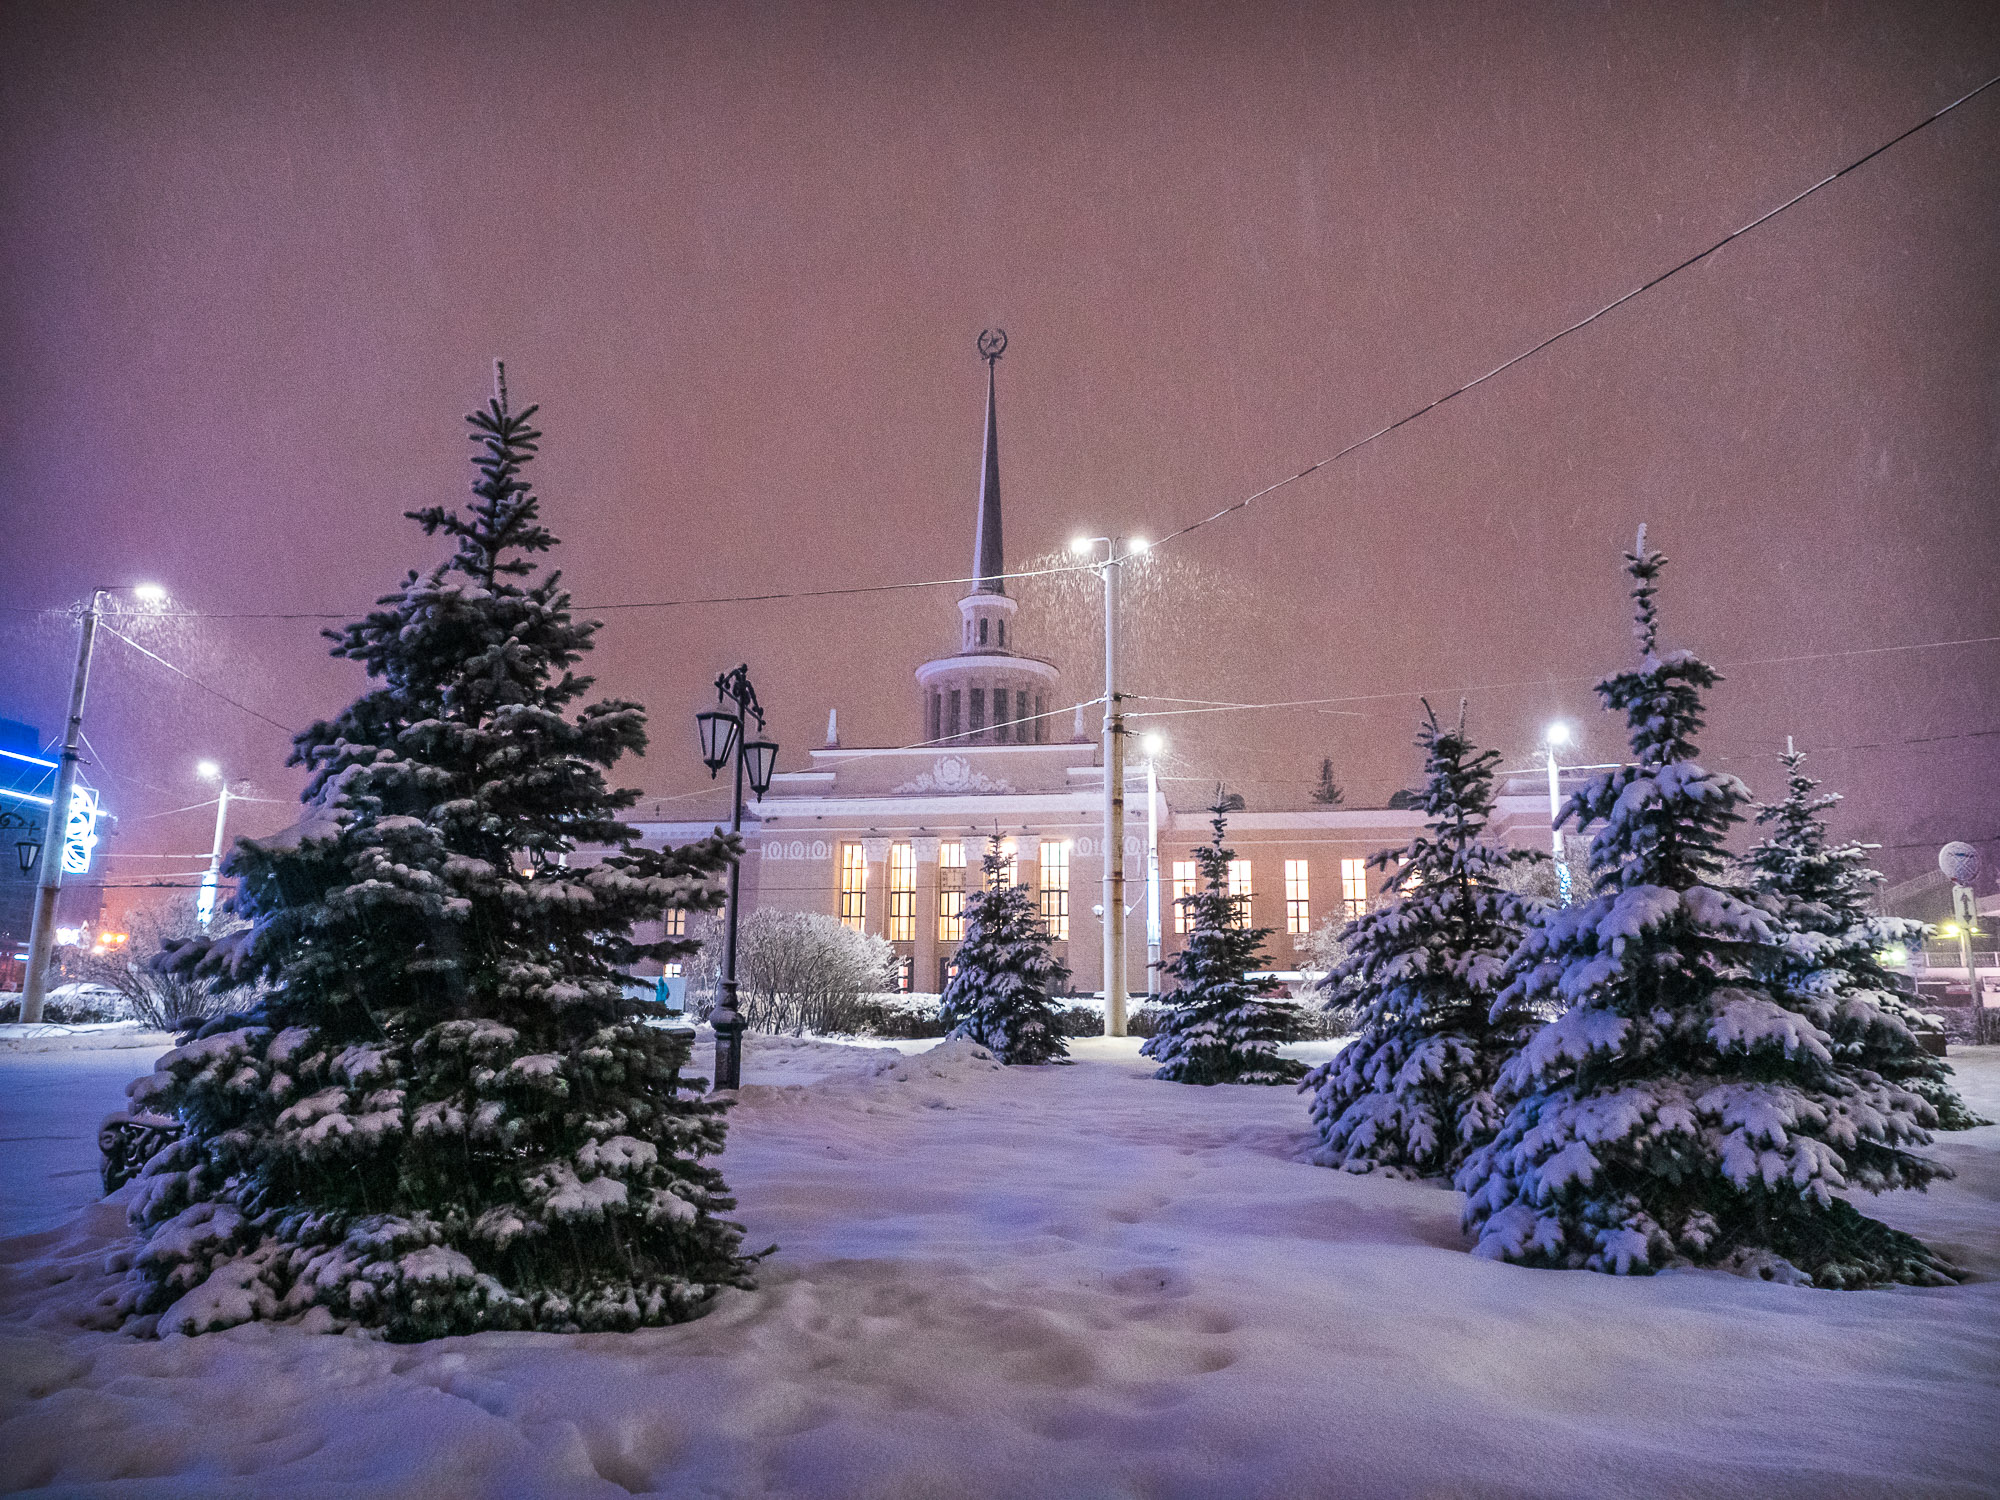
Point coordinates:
[[446, 1114], [1679, 1110], [1831, 960], [1004, 993], [1412, 1094], [1221, 1029]]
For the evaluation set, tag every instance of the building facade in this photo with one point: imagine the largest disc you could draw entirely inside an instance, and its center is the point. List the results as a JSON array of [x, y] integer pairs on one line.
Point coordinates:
[[890, 839]]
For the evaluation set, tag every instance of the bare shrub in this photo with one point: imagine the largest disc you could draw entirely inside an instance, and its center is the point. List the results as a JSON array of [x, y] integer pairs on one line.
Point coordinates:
[[165, 1002], [800, 971]]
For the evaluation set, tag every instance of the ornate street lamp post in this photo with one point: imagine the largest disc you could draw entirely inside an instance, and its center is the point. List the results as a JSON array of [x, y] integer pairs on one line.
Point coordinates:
[[723, 741]]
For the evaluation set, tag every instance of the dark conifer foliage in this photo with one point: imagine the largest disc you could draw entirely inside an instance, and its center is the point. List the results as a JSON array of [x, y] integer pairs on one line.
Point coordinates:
[[1004, 994], [1412, 1094], [1222, 1028], [1831, 963], [447, 1114], [1680, 1109]]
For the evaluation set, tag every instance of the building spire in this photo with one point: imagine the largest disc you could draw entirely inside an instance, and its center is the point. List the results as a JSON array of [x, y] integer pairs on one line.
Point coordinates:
[[989, 564]]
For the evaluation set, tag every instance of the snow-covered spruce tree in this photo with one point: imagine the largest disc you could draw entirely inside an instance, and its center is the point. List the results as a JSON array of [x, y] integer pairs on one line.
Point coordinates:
[[446, 1114], [1221, 1029], [1678, 1111], [1003, 995], [1831, 963], [1412, 1094]]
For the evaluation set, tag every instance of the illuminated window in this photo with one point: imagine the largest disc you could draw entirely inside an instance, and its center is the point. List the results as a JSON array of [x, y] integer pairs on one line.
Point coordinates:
[[1239, 892], [1055, 888], [1183, 888], [947, 972], [902, 893], [1298, 897], [1354, 886], [951, 891], [853, 886], [906, 974], [677, 923]]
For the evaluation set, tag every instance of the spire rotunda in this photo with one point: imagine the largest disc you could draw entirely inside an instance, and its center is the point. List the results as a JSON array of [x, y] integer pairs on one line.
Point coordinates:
[[988, 693]]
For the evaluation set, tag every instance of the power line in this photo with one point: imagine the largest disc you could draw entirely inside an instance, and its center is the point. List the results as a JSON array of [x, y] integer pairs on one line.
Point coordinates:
[[233, 703], [1584, 322]]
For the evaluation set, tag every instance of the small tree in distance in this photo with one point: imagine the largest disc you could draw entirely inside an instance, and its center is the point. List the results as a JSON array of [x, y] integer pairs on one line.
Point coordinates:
[[1004, 993], [1328, 793], [1832, 958], [1222, 1028]]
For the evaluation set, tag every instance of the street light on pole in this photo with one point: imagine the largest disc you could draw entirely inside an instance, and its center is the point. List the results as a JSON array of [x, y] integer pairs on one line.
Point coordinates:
[[204, 901], [1557, 734], [1117, 552], [42, 921], [722, 741]]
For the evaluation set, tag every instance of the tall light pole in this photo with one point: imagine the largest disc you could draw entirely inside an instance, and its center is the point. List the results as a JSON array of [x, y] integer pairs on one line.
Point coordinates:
[[1152, 744], [42, 923], [204, 901], [723, 740], [1557, 734], [1117, 552]]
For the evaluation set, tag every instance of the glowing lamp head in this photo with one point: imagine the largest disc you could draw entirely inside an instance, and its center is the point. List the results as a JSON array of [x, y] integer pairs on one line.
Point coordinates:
[[1557, 734], [1137, 546], [1152, 744], [1080, 546], [208, 770], [149, 593]]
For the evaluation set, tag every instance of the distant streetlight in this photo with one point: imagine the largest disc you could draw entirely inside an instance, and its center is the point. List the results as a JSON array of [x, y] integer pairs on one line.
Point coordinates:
[[42, 921], [204, 901], [1960, 865], [722, 741], [1117, 551], [1557, 734]]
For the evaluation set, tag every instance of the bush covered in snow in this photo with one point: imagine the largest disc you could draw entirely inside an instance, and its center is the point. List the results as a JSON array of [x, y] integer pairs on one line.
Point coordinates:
[[446, 1114], [1413, 1093], [1682, 1108], [802, 971]]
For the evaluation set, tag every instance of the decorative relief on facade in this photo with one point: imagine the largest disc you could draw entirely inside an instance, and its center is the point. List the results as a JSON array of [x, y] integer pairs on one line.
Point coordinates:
[[797, 849], [953, 773]]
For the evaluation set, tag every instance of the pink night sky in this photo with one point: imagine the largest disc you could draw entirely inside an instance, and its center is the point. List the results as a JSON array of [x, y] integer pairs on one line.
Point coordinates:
[[255, 261]]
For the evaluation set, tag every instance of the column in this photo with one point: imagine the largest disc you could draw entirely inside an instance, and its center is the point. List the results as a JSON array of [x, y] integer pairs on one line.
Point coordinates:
[[875, 856], [925, 970]]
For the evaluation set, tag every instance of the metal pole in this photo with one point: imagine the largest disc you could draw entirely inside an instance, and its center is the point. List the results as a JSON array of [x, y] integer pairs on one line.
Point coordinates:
[[42, 926], [1152, 876], [1966, 909], [726, 1019], [1114, 809], [1555, 833], [205, 901]]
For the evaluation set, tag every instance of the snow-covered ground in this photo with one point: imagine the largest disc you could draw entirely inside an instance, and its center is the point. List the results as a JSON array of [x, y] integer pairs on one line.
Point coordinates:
[[1054, 1282]]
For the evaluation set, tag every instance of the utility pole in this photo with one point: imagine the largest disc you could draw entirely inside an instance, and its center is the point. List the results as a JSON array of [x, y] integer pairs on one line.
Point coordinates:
[[1152, 744], [42, 925], [1117, 550], [204, 901], [1557, 734]]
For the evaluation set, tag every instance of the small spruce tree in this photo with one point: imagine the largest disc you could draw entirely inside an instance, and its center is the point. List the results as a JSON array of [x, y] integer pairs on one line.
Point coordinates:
[[1831, 962], [446, 1113], [1329, 792], [1004, 993], [1412, 1094], [1220, 1028], [1679, 1110]]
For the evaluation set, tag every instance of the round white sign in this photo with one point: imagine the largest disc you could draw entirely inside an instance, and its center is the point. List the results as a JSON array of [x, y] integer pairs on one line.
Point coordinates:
[[1960, 862]]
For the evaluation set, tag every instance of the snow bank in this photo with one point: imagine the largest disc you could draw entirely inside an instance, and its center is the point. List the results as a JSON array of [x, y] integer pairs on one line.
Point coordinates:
[[1060, 1281]]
